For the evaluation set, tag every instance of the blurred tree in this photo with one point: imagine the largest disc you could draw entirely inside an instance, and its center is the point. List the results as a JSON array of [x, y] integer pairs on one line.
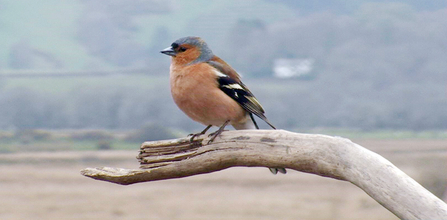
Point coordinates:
[[150, 132], [91, 135], [104, 145]]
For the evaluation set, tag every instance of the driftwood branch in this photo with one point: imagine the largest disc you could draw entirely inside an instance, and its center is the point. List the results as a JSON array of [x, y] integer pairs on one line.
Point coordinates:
[[323, 155]]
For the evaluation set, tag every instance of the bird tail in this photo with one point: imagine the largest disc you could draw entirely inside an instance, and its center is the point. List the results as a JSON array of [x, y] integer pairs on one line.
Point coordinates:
[[263, 118], [253, 120]]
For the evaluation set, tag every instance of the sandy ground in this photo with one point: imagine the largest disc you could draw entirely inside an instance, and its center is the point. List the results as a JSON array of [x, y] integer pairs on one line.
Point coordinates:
[[49, 186]]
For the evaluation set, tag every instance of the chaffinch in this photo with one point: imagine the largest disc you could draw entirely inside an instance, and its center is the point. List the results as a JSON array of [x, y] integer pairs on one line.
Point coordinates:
[[209, 90]]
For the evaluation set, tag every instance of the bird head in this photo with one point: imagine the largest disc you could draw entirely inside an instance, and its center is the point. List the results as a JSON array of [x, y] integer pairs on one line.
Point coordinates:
[[189, 50]]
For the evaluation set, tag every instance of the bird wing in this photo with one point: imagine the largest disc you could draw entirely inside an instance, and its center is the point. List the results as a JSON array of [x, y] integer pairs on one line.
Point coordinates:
[[224, 68], [229, 82]]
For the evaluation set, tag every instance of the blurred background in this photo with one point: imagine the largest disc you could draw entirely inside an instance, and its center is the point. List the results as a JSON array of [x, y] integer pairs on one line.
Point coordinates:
[[82, 83]]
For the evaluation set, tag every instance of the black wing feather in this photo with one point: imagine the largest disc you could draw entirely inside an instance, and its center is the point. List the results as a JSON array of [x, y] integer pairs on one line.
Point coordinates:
[[240, 93]]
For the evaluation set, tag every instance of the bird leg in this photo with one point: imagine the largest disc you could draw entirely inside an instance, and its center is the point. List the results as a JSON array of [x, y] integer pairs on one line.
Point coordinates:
[[198, 134], [215, 134]]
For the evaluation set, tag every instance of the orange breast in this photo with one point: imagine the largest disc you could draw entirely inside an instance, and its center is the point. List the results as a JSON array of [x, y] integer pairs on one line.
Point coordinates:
[[195, 91]]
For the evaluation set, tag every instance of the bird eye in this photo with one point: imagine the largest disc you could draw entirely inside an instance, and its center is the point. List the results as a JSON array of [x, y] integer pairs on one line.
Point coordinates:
[[182, 49]]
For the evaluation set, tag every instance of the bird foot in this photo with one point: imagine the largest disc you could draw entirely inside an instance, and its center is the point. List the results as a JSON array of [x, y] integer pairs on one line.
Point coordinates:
[[276, 170], [198, 134], [194, 136], [214, 135], [219, 131]]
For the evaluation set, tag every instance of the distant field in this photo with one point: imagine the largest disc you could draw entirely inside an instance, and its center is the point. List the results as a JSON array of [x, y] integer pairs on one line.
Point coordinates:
[[81, 140], [65, 140], [383, 134], [63, 145], [47, 185]]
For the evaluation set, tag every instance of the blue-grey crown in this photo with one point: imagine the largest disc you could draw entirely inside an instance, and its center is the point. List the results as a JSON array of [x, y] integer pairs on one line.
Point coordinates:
[[205, 52]]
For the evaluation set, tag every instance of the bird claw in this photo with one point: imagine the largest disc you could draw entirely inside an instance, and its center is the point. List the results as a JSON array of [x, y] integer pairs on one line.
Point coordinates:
[[214, 135], [212, 139], [198, 134], [218, 132], [193, 136]]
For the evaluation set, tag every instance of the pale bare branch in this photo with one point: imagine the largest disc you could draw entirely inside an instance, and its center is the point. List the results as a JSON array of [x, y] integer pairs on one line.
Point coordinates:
[[333, 157]]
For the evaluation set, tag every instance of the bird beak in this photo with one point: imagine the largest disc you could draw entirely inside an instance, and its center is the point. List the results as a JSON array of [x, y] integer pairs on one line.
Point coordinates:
[[169, 51]]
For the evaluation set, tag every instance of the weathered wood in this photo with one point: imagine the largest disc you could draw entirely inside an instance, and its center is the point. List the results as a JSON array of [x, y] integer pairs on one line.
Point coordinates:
[[333, 157]]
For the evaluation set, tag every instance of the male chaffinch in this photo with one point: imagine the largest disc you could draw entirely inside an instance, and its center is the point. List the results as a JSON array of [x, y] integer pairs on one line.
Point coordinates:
[[209, 90]]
